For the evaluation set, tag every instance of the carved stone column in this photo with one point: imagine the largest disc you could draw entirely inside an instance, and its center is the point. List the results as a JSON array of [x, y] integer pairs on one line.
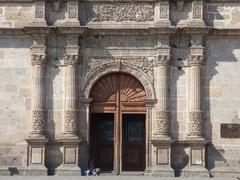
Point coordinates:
[[39, 13], [197, 13], [196, 140], [38, 137], [161, 139], [70, 148], [161, 13]]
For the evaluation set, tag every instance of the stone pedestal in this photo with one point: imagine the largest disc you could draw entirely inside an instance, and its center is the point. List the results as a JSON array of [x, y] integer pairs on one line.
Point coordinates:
[[197, 14], [161, 14], [162, 158], [36, 157], [70, 151], [196, 152]]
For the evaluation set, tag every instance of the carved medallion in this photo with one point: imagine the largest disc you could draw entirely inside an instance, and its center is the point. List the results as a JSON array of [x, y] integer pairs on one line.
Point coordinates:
[[164, 11], [39, 10], [73, 10], [197, 11]]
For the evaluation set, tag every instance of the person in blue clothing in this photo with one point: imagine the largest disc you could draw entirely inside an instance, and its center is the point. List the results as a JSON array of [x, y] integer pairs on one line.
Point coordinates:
[[92, 170]]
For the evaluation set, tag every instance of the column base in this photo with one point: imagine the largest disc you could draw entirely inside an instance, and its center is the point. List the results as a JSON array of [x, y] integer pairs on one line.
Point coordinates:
[[163, 171], [195, 171], [33, 170], [68, 170]]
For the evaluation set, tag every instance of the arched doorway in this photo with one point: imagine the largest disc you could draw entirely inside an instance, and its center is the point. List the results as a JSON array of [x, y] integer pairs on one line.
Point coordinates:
[[117, 116]]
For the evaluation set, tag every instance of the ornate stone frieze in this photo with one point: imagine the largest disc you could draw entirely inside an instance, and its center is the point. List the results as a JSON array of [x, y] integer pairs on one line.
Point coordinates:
[[196, 60], [162, 122], [118, 12], [39, 122], [70, 59], [71, 121], [39, 59], [195, 128], [143, 63], [162, 60]]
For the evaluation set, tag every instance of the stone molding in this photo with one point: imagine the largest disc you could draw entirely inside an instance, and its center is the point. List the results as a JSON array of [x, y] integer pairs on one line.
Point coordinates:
[[162, 122], [39, 118], [195, 123], [70, 59], [39, 59], [71, 122]]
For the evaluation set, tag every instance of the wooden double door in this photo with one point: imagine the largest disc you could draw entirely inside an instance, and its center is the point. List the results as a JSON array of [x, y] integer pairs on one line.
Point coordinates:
[[118, 123]]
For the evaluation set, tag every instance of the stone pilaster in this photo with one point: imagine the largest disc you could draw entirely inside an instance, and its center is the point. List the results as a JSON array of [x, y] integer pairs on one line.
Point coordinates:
[[161, 139], [196, 141], [72, 13], [38, 137], [39, 14], [161, 13], [70, 148], [197, 14]]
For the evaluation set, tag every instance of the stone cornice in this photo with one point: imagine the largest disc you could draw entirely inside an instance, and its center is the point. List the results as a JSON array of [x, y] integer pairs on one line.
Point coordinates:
[[128, 31]]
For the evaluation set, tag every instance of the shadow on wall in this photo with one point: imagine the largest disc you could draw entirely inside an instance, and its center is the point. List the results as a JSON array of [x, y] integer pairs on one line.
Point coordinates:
[[179, 158], [212, 14], [54, 157], [222, 51]]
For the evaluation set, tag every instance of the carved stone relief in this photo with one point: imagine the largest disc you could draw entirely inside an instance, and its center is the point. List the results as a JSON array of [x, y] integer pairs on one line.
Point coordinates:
[[164, 11], [39, 122], [39, 10], [73, 10], [197, 11], [39, 59], [117, 12], [162, 122], [143, 63], [195, 123], [196, 60], [71, 119], [70, 59]]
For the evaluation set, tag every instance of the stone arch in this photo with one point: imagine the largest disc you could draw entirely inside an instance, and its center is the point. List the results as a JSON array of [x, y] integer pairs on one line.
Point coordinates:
[[114, 67]]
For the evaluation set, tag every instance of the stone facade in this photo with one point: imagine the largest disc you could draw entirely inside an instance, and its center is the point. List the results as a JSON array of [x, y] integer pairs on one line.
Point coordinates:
[[185, 53]]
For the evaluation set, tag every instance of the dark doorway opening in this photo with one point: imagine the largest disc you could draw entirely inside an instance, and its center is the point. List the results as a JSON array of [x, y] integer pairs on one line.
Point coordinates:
[[133, 142], [102, 140]]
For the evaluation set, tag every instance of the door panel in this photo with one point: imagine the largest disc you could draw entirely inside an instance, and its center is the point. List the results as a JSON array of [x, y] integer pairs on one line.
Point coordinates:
[[133, 145], [102, 136]]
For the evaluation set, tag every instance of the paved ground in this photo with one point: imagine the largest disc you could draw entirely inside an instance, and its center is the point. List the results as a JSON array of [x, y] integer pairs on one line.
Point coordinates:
[[107, 178]]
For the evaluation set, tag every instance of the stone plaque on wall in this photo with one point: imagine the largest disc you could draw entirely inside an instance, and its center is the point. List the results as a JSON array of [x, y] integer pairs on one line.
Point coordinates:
[[230, 130], [37, 155], [162, 156], [196, 157], [70, 155]]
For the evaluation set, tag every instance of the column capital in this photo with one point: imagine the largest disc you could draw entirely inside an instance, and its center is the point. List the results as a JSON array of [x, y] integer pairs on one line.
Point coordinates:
[[162, 60], [39, 59], [70, 59], [197, 56], [195, 124]]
